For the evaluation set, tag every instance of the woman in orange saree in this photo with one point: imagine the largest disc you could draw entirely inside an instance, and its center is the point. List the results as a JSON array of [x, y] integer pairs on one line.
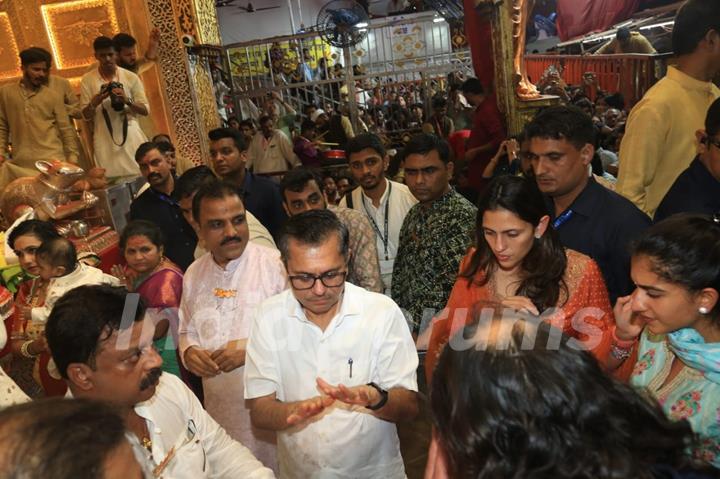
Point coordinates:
[[520, 263]]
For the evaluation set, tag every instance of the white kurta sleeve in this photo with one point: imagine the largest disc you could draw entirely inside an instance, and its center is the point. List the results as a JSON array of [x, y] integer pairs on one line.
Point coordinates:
[[187, 334], [397, 355]]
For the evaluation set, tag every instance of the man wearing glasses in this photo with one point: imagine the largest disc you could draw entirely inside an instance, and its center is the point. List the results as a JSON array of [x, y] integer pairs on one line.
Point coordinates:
[[330, 366], [697, 189], [221, 289]]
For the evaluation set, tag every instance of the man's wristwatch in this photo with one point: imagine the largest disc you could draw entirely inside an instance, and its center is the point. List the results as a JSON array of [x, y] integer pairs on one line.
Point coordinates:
[[383, 397]]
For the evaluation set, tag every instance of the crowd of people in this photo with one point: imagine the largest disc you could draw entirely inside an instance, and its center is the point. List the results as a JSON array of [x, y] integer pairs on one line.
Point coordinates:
[[274, 319]]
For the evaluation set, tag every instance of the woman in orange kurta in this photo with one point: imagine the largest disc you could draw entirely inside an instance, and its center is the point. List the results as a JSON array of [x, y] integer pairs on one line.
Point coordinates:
[[520, 264]]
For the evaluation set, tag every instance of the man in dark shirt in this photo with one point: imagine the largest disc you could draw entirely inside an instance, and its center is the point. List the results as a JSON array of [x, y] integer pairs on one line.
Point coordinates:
[[588, 217], [157, 205], [228, 151], [697, 189]]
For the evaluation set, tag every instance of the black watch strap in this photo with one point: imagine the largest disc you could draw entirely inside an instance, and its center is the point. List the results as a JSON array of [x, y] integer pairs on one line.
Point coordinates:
[[383, 397]]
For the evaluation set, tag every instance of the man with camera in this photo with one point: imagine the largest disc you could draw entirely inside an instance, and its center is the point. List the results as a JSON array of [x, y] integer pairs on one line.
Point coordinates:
[[112, 98]]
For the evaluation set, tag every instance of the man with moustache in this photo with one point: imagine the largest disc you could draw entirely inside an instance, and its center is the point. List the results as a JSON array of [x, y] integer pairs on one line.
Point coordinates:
[[330, 366], [102, 345], [34, 116], [588, 217], [221, 291], [156, 204], [384, 202], [229, 155]]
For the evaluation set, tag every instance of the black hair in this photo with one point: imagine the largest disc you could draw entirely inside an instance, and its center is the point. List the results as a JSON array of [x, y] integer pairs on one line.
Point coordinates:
[[439, 102], [59, 438], [313, 228], [544, 266], [217, 190], [523, 401], [102, 43], [191, 181], [684, 249], [473, 86], [712, 119], [144, 228], [623, 33], [42, 230], [123, 40], [164, 146], [307, 125], [363, 141], [424, 143], [86, 316], [144, 149], [235, 135], [246, 122], [616, 100], [692, 22], [296, 179], [58, 252], [157, 138], [564, 122], [35, 55], [264, 119]]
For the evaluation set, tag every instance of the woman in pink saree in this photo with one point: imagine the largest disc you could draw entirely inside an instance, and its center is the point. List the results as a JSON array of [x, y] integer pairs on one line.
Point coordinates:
[[158, 281]]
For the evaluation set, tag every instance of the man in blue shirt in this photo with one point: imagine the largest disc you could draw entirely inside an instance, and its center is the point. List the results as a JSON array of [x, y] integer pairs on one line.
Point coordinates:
[[697, 189], [228, 152], [588, 217]]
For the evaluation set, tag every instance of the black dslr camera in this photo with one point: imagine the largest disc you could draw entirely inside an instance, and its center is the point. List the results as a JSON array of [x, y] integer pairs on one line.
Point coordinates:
[[117, 102]]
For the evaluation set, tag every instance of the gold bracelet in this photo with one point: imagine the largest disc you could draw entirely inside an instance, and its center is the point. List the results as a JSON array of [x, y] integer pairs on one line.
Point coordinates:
[[25, 351]]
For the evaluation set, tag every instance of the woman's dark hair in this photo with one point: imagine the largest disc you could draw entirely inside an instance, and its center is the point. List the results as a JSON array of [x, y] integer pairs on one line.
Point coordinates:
[[685, 250], [42, 230], [544, 266], [521, 401], [59, 438], [142, 228]]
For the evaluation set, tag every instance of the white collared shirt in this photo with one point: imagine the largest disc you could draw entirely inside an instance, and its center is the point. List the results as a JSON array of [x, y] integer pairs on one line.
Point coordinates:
[[401, 200], [285, 355], [200, 448]]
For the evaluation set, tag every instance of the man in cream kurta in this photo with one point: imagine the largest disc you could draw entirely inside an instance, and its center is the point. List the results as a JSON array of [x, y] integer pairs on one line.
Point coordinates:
[[114, 143], [221, 291], [659, 141]]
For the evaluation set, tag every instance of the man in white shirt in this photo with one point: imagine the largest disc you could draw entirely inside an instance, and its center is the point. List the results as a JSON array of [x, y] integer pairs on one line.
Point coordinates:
[[330, 366], [385, 202], [102, 345], [271, 150], [113, 111], [221, 291]]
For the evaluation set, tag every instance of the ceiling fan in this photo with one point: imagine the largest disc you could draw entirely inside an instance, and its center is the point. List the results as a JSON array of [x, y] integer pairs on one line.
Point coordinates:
[[249, 8]]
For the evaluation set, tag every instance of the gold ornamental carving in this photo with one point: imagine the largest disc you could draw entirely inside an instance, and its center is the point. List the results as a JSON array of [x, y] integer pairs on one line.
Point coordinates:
[[72, 26], [207, 22], [9, 61]]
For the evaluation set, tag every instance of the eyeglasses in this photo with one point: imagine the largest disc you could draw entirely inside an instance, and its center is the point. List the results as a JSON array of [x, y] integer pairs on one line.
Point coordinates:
[[331, 279], [712, 141]]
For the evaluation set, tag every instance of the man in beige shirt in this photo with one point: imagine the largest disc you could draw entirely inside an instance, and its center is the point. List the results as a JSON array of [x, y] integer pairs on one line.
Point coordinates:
[[34, 118], [627, 42], [659, 141]]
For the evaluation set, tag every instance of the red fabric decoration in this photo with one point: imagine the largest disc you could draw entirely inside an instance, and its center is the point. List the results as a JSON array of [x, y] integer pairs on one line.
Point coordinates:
[[578, 17]]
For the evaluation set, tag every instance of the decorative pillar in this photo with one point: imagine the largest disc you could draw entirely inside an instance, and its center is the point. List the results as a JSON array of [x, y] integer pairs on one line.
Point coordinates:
[[186, 77], [516, 111]]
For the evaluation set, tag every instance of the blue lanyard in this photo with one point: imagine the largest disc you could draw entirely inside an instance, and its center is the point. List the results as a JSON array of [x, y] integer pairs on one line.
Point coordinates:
[[562, 219]]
